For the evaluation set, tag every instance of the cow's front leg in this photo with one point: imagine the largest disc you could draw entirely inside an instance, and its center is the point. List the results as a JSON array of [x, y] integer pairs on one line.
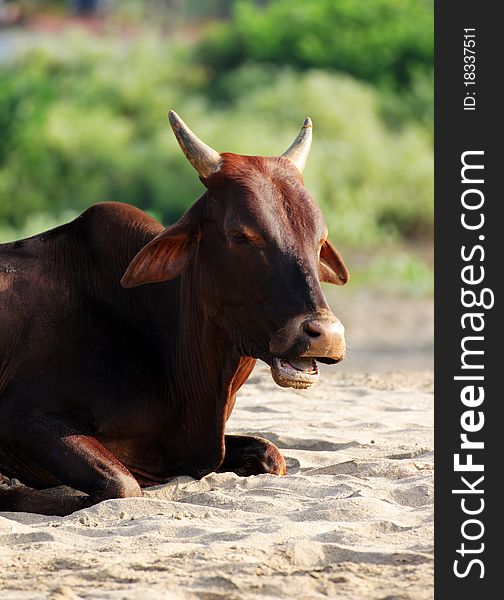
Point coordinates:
[[247, 455], [77, 461]]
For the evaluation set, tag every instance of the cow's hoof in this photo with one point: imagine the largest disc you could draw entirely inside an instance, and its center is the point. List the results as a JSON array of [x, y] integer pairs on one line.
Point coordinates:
[[7, 483], [255, 456]]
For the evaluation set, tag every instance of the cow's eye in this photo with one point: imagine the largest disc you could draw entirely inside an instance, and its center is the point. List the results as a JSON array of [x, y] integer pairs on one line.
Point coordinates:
[[240, 237]]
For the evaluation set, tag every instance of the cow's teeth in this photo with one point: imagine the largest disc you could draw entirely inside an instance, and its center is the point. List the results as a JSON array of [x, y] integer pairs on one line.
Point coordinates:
[[297, 373]]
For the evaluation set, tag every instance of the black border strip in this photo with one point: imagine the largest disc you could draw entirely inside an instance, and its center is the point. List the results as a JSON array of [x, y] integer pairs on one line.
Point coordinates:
[[458, 131]]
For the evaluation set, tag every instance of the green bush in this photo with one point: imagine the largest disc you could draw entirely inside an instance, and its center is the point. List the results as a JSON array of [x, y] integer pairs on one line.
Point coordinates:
[[85, 121], [385, 42]]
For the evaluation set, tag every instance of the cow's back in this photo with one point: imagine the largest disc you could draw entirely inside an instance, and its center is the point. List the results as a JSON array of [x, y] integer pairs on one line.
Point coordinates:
[[60, 316], [86, 256]]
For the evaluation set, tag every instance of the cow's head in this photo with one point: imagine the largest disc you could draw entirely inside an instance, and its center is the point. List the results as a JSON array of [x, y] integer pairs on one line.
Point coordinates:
[[257, 244]]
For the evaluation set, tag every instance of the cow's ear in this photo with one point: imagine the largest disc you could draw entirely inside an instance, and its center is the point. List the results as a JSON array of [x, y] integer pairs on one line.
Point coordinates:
[[331, 266], [162, 259]]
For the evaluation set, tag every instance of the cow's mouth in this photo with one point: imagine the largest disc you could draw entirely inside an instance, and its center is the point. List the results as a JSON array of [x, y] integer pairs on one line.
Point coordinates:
[[299, 373]]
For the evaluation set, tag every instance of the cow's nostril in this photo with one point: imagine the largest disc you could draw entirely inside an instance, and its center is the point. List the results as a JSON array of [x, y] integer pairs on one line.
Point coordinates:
[[313, 329]]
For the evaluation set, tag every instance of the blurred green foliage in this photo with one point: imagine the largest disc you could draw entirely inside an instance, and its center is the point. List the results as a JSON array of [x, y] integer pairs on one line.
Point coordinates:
[[387, 42], [90, 125], [83, 118], [395, 270]]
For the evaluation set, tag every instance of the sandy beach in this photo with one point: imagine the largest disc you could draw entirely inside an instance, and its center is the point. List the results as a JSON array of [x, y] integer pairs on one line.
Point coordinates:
[[353, 519]]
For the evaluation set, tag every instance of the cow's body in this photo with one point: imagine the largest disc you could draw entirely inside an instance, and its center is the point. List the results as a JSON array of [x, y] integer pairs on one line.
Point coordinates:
[[106, 357], [105, 388]]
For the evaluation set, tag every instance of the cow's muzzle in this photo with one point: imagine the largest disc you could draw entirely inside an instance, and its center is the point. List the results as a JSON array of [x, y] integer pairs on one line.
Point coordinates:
[[318, 339]]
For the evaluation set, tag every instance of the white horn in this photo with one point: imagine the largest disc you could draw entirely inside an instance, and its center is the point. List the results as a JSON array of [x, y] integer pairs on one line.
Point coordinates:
[[204, 159], [300, 148]]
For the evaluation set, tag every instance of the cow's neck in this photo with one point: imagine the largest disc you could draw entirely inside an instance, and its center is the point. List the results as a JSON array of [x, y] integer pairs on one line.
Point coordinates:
[[202, 368], [209, 370]]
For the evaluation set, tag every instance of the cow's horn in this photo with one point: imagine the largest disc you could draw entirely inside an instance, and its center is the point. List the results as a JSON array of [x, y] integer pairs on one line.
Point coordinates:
[[300, 148], [204, 159]]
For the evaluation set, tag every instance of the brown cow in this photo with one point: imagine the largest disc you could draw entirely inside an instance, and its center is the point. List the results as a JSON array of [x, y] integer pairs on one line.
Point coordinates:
[[107, 387]]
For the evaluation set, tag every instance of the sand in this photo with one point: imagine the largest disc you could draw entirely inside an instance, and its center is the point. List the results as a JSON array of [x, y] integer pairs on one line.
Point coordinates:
[[353, 519]]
